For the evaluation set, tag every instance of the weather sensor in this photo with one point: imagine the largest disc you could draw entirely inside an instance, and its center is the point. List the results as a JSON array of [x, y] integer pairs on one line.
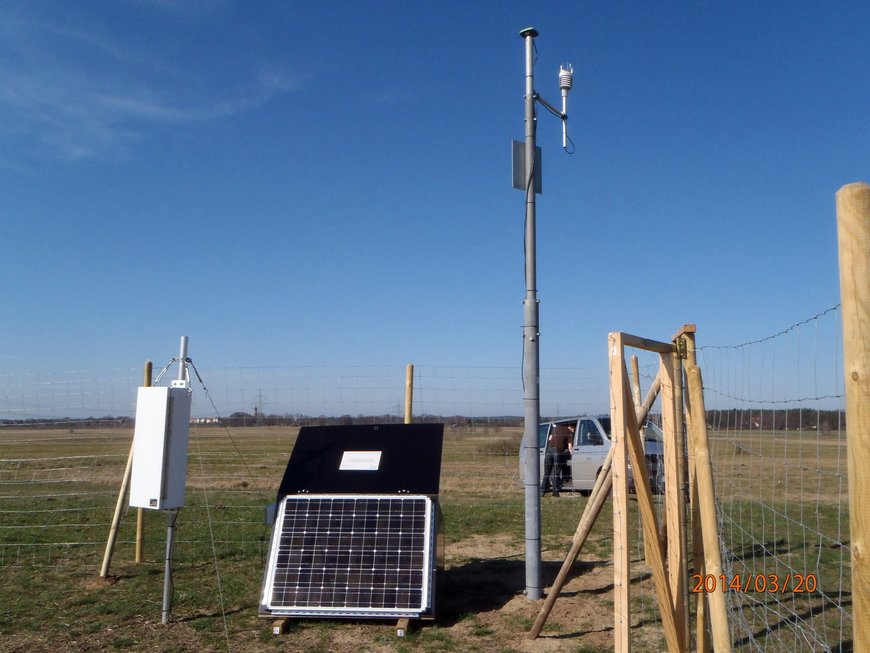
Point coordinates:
[[566, 80]]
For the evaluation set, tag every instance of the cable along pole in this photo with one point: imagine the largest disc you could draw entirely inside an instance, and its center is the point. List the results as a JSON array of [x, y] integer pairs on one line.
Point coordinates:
[[527, 177]]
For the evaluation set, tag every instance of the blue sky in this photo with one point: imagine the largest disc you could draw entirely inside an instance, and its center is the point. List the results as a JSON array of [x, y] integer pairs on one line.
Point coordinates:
[[329, 183]]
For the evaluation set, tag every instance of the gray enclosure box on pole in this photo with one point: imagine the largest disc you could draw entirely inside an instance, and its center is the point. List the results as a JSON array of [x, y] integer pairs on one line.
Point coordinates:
[[520, 176], [160, 448]]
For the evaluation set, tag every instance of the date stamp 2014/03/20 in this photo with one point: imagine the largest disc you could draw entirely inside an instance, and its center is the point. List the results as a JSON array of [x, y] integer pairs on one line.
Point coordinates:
[[759, 583]]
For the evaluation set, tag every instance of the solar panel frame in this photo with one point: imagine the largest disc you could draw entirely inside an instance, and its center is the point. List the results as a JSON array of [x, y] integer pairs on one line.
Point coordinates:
[[351, 555]]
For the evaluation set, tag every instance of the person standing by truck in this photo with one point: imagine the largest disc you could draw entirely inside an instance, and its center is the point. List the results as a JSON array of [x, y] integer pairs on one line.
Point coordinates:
[[556, 455]]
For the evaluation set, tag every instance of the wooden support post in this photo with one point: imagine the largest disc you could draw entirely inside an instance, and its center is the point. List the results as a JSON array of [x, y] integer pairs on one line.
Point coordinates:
[[702, 614], [119, 504], [680, 587], [600, 493], [409, 392], [653, 544], [621, 559], [635, 381], [707, 508], [116, 518], [140, 512], [402, 626], [674, 506], [140, 535], [853, 234], [279, 626]]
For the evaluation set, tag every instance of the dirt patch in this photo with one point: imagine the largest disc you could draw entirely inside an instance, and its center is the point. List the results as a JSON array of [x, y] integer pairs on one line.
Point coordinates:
[[482, 598]]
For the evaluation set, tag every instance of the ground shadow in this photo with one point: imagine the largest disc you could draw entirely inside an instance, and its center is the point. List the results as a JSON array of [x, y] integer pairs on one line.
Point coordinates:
[[212, 615], [484, 585], [797, 618], [778, 547]]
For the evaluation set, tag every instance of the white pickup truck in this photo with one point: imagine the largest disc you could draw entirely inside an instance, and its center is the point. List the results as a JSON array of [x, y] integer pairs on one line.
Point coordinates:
[[590, 447]]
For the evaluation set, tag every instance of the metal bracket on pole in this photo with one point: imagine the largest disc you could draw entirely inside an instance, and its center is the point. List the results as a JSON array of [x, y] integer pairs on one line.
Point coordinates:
[[682, 350]]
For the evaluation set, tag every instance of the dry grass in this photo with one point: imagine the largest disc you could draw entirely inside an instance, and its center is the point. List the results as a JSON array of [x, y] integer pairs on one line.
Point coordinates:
[[58, 494]]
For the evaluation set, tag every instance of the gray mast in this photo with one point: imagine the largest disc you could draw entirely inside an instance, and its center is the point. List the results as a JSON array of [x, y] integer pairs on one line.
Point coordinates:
[[531, 358]]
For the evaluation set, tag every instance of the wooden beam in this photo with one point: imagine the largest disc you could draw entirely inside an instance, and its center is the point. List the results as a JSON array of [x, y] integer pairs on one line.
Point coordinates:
[[635, 382], [119, 505], [703, 643], [116, 518], [702, 618], [621, 559], [707, 509], [853, 235], [655, 550], [646, 344], [684, 330], [140, 512], [409, 393], [279, 626], [680, 557], [675, 501]]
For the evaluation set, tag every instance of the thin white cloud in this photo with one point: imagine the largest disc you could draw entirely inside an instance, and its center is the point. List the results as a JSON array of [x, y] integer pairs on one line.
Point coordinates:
[[259, 91], [74, 92], [402, 97]]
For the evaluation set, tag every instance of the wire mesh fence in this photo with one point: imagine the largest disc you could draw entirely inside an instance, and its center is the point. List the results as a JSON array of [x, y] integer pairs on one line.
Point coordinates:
[[775, 413], [778, 437]]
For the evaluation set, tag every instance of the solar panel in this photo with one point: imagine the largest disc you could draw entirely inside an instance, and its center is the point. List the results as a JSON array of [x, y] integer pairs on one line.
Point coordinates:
[[351, 556]]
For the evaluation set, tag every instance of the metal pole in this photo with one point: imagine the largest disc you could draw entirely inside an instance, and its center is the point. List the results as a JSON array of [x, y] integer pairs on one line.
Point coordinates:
[[171, 516], [182, 360], [531, 359]]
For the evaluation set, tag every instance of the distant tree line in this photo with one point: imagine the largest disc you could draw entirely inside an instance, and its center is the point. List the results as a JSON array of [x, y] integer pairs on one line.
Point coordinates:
[[247, 419], [453, 421], [745, 419], [777, 420], [107, 422]]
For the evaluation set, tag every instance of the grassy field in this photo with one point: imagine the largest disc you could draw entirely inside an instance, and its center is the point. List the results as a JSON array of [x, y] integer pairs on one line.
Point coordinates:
[[57, 494]]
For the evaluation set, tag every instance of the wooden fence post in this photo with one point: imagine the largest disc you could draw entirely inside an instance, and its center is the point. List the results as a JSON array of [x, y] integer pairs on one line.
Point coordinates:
[[409, 392], [706, 504], [140, 512], [621, 559], [853, 234], [119, 505]]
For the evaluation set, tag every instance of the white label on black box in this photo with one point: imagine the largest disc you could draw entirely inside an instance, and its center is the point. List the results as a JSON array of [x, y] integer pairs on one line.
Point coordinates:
[[360, 461]]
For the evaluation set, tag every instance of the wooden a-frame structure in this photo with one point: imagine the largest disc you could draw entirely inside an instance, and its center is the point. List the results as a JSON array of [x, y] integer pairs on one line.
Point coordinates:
[[665, 543]]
